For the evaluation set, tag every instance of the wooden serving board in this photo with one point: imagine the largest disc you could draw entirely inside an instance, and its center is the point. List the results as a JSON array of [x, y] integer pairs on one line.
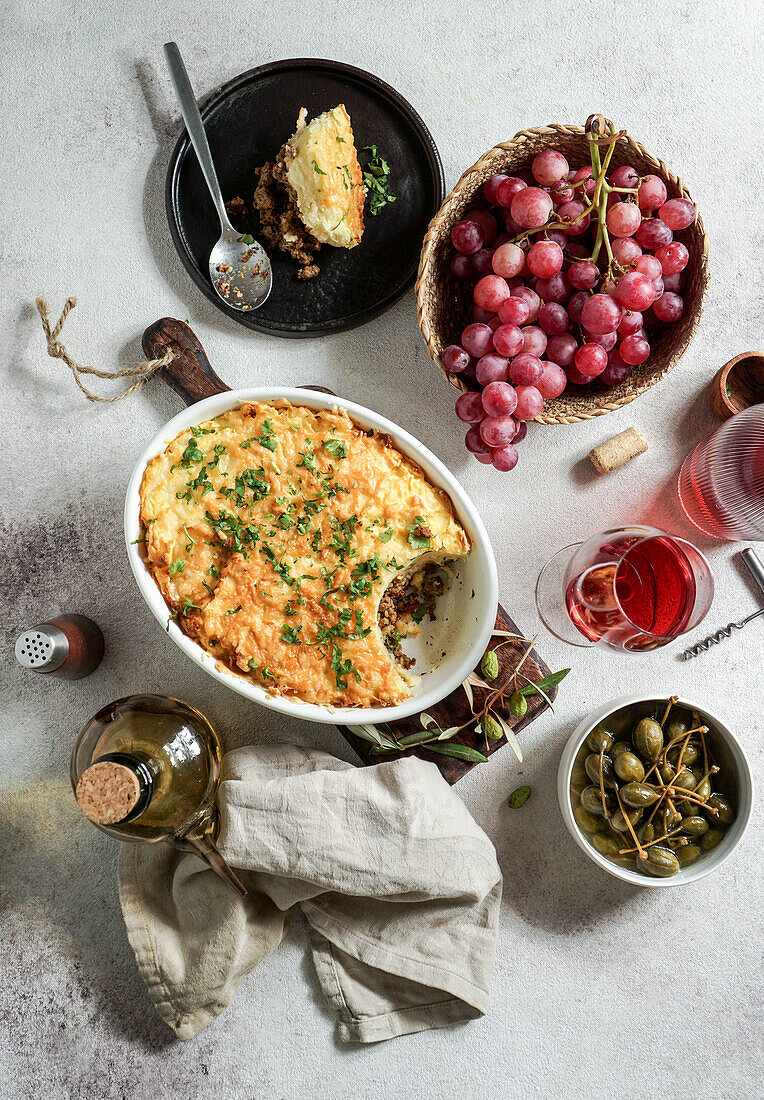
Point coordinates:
[[455, 709], [192, 377]]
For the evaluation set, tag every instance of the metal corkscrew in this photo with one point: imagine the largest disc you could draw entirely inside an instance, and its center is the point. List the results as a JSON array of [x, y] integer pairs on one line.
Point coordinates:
[[756, 569]]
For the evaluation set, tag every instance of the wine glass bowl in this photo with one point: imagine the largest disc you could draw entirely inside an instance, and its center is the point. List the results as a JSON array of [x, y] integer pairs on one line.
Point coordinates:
[[444, 303], [634, 589]]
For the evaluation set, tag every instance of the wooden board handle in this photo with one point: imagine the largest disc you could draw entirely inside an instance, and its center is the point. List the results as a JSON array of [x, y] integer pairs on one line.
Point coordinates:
[[189, 373]]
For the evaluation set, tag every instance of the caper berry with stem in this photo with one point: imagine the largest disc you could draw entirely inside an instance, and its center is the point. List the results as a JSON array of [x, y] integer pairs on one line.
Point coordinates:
[[618, 820], [710, 839], [688, 854], [586, 822], [639, 794], [617, 748], [694, 825], [592, 765], [660, 862], [725, 814], [591, 800], [606, 845], [600, 738]]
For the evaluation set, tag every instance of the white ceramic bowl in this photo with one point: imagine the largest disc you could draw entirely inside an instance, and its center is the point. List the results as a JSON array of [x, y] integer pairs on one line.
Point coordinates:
[[710, 860], [466, 621]]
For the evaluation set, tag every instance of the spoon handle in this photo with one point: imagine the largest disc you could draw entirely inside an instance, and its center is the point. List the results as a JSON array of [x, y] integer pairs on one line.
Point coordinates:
[[196, 132]]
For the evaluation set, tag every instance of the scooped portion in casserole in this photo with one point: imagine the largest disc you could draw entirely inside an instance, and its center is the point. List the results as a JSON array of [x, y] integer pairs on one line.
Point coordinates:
[[299, 549]]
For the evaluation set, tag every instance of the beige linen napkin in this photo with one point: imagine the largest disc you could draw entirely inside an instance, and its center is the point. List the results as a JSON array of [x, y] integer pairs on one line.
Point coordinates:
[[399, 886]]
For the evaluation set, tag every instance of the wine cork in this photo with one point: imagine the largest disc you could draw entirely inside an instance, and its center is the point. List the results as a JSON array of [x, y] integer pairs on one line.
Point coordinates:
[[107, 792], [617, 451]]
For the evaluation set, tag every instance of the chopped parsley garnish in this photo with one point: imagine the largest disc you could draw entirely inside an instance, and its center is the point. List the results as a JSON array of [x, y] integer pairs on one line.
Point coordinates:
[[266, 673], [289, 634], [308, 459], [213, 571], [289, 609], [342, 537], [336, 447], [338, 630], [315, 542], [415, 539], [201, 481], [191, 454], [255, 480], [419, 613], [339, 223], [343, 669], [317, 169], [178, 566], [234, 611], [376, 178], [278, 567], [386, 535], [191, 542], [196, 431], [252, 665], [246, 238], [187, 606], [218, 450]]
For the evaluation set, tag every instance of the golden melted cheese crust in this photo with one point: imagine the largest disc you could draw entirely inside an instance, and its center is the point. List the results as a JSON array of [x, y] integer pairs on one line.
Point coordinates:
[[322, 169], [272, 532]]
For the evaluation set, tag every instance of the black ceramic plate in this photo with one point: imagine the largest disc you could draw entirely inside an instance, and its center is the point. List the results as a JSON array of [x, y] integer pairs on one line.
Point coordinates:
[[247, 122]]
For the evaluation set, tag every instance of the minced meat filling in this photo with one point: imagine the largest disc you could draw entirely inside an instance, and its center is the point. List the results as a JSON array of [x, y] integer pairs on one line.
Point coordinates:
[[405, 601], [280, 221]]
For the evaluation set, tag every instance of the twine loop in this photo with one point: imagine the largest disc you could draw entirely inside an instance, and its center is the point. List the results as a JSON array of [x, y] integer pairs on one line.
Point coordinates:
[[142, 373]]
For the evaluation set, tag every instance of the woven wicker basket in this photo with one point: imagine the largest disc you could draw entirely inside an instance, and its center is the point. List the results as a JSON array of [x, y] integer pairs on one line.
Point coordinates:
[[444, 303]]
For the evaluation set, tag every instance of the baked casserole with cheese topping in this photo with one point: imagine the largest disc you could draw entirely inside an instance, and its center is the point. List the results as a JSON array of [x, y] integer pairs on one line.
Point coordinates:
[[299, 550]]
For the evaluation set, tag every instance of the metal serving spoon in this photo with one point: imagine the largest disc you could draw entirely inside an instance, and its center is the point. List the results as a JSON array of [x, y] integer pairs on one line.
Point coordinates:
[[240, 271]]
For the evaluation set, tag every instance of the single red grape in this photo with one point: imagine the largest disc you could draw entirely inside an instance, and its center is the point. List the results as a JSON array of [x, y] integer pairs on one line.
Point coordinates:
[[616, 370], [507, 190], [576, 377], [469, 408], [553, 318], [600, 314], [499, 399], [606, 340], [531, 299], [585, 174], [576, 251], [486, 221], [674, 283], [669, 307], [474, 441], [624, 176], [497, 431], [504, 458], [490, 292], [522, 431], [482, 316], [534, 339], [561, 192], [492, 368], [515, 311], [673, 258], [557, 236], [635, 291], [529, 402], [477, 339], [583, 274], [490, 188], [549, 167], [576, 306], [659, 287], [525, 369], [569, 212], [653, 233], [631, 322], [634, 349], [508, 260], [591, 360], [623, 219], [482, 261], [508, 340], [648, 265], [562, 349], [467, 237], [545, 259], [484, 458], [552, 381], [455, 359], [677, 213], [556, 289], [626, 251], [461, 266], [531, 207], [652, 193]]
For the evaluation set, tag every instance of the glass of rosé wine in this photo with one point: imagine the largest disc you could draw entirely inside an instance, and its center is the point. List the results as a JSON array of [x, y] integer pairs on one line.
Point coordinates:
[[632, 589]]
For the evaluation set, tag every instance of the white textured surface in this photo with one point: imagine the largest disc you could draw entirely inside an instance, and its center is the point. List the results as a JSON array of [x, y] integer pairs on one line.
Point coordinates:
[[599, 989]]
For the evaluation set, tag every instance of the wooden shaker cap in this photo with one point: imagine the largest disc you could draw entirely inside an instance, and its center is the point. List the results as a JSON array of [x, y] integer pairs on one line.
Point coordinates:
[[107, 792]]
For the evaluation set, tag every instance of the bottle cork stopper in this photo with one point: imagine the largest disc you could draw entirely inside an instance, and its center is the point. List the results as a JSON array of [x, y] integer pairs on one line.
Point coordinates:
[[617, 451], [107, 792]]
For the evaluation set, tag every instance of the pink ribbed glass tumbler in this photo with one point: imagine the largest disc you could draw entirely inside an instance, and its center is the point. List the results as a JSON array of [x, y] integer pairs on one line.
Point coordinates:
[[721, 483]]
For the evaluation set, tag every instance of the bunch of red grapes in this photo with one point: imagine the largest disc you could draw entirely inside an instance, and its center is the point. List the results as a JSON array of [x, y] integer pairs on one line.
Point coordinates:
[[571, 273]]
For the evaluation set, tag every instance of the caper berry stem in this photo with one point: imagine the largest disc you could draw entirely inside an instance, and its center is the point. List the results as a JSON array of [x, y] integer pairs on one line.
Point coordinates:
[[669, 705], [639, 848], [605, 810], [658, 839]]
